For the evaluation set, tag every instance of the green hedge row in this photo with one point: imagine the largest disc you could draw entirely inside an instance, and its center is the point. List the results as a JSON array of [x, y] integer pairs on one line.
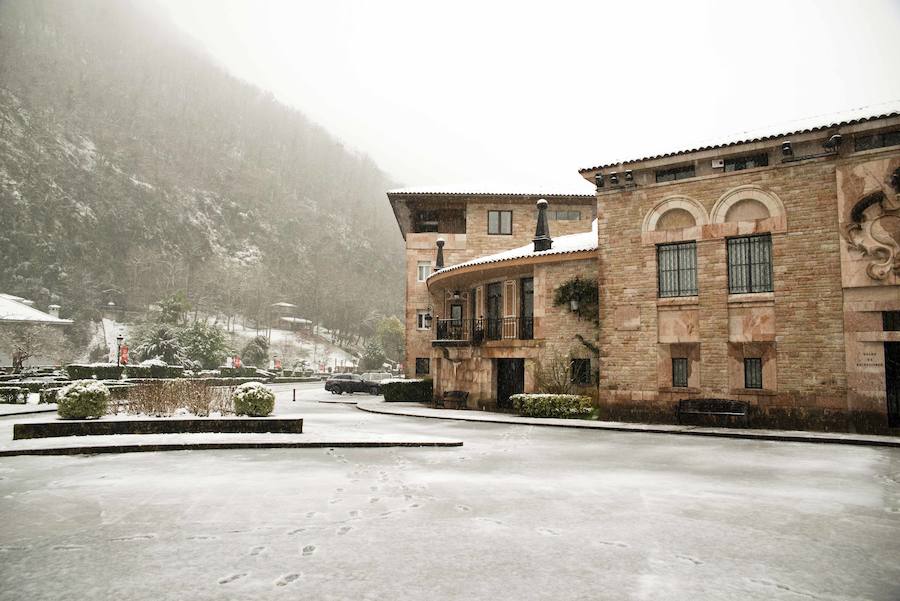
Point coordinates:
[[551, 405], [11, 395], [154, 371], [420, 391], [97, 371]]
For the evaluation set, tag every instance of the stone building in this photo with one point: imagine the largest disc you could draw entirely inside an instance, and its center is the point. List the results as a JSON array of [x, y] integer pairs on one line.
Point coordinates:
[[763, 270], [478, 319]]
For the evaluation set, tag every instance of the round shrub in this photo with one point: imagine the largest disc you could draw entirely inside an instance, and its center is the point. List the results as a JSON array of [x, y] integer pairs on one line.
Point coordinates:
[[253, 399], [82, 399]]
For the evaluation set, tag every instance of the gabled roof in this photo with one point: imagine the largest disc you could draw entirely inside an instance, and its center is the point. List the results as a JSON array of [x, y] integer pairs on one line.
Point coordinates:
[[570, 243], [14, 310], [802, 126]]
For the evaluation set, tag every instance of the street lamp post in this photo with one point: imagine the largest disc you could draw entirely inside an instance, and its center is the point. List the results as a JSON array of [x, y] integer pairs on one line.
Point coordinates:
[[119, 340]]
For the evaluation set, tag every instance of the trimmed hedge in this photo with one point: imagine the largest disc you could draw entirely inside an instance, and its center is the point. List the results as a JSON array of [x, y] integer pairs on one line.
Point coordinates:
[[13, 395], [82, 399], [207, 381], [420, 391], [97, 371], [253, 399], [154, 371], [551, 405], [237, 372]]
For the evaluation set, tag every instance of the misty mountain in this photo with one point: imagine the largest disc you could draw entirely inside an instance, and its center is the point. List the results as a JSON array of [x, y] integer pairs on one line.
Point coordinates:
[[133, 166]]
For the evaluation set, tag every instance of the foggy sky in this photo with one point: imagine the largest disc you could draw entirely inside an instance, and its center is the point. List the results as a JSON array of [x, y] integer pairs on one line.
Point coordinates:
[[526, 93]]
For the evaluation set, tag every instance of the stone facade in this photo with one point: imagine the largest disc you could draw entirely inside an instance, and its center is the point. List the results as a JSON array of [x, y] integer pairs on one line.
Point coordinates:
[[817, 333]]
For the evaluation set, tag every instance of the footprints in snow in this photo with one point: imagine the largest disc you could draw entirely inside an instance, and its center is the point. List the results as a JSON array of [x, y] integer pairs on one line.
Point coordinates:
[[133, 537], [463, 508], [256, 551], [344, 530], [286, 579], [308, 550], [231, 578], [693, 560]]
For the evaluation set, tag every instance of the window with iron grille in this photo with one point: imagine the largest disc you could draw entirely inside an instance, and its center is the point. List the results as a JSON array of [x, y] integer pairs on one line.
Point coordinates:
[[750, 264], [753, 372], [747, 162], [670, 175], [879, 140], [423, 366], [890, 320], [679, 372], [581, 371], [500, 222], [677, 269]]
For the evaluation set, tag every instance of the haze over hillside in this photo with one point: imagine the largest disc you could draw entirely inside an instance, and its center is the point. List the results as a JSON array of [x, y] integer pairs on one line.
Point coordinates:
[[132, 166]]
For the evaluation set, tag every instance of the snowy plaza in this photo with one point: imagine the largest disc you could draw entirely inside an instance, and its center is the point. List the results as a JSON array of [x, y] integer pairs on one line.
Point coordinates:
[[517, 512]]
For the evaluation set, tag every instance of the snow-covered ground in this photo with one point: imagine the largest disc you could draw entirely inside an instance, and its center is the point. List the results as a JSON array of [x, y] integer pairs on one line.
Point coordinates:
[[519, 512]]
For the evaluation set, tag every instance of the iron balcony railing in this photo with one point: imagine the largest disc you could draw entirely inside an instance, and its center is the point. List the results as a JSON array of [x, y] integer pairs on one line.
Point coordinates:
[[475, 331]]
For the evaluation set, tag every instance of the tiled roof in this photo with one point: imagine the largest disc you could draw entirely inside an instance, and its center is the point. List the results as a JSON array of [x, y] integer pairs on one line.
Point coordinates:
[[812, 124], [570, 243]]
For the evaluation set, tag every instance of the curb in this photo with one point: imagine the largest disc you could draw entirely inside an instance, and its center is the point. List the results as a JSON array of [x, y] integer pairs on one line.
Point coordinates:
[[817, 437], [214, 446], [29, 412]]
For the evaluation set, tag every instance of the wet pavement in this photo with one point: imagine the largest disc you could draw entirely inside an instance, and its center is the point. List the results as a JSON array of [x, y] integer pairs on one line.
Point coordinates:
[[518, 512]]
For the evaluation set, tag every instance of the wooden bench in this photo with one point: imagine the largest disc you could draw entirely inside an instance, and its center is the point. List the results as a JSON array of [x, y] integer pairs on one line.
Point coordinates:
[[713, 407], [459, 397]]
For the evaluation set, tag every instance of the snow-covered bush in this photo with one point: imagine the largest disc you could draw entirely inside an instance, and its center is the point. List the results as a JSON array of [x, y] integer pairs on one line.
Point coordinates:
[[253, 399], [82, 399], [551, 405], [12, 394], [48, 395]]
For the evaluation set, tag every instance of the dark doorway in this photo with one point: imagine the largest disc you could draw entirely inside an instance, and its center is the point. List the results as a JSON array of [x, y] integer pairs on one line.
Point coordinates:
[[510, 380], [892, 382]]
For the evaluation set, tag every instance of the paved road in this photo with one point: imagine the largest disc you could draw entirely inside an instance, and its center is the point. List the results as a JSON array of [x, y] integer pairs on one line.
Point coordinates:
[[519, 512]]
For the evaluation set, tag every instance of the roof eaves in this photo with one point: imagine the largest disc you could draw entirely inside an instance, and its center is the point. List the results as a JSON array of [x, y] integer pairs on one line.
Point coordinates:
[[744, 141]]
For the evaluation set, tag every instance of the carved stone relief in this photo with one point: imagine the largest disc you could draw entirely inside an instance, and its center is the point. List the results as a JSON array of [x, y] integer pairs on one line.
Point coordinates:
[[872, 229]]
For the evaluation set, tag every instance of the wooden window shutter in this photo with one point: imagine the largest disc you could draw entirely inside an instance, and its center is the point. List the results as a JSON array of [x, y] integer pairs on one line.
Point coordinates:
[[509, 309]]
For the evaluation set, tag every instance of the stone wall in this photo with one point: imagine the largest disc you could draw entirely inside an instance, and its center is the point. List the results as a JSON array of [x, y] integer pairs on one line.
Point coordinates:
[[797, 330]]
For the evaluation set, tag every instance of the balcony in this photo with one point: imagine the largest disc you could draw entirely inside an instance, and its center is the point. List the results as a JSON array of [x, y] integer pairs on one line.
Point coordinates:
[[473, 332]]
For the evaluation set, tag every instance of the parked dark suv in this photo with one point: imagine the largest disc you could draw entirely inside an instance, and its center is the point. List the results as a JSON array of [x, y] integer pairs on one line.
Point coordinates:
[[341, 383]]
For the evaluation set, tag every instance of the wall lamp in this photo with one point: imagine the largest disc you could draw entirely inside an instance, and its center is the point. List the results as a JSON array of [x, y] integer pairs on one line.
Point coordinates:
[[629, 176], [598, 179], [786, 149], [614, 178]]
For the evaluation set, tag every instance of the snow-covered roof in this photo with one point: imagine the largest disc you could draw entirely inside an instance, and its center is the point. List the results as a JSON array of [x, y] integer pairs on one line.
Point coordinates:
[[570, 243], [14, 310], [793, 128], [576, 188], [299, 320]]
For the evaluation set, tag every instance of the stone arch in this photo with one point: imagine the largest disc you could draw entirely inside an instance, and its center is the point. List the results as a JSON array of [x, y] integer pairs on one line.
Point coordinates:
[[675, 212], [746, 203]]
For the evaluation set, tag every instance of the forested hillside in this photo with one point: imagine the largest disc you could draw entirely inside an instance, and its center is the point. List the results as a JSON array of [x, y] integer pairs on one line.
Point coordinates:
[[132, 167]]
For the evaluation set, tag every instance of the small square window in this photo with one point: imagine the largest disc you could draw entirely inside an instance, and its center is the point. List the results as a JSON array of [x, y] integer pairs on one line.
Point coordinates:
[[423, 270], [500, 222], [581, 371], [753, 372], [423, 366], [747, 162], [679, 372], [421, 323]]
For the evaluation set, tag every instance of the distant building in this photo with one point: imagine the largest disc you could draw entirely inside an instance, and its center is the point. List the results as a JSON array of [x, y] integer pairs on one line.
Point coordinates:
[[18, 315], [765, 270]]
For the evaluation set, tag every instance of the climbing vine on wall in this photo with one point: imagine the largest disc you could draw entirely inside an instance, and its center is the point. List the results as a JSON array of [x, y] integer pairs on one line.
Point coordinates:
[[584, 292]]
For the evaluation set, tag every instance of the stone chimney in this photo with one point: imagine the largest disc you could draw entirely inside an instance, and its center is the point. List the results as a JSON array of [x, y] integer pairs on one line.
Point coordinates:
[[439, 260], [542, 239], [53, 310]]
